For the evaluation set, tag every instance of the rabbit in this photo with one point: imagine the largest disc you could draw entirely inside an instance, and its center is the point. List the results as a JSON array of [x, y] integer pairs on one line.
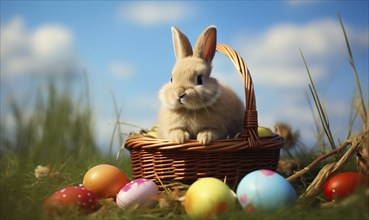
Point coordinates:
[[194, 104]]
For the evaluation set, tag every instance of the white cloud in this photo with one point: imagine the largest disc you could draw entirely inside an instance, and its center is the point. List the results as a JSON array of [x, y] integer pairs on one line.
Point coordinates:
[[155, 13], [274, 55], [122, 69], [51, 40], [46, 48]]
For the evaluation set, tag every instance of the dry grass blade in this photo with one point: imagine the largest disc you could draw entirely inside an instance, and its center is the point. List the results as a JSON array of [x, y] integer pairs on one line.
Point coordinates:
[[318, 160], [352, 63], [321, 111], [362, 156], [319, 133]]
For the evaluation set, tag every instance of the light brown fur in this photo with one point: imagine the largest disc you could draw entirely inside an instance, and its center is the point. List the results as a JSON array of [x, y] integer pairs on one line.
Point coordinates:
[[207, 111]]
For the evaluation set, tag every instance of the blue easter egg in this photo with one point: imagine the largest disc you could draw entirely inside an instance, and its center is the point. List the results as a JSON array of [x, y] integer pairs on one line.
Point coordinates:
[[265, 190]]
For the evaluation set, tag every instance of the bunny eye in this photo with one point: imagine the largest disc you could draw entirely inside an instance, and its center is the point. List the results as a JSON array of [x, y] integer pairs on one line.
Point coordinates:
[[171, 79], [199, 80]]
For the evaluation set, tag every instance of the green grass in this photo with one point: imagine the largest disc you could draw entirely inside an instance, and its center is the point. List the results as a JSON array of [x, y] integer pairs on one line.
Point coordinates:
[[58, 131]]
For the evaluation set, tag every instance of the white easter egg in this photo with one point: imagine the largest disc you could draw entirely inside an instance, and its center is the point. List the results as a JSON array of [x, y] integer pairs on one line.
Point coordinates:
[[138, 193]]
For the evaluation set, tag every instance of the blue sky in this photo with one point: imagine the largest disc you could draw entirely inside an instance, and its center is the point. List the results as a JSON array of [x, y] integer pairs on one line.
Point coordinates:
[[126, 49]]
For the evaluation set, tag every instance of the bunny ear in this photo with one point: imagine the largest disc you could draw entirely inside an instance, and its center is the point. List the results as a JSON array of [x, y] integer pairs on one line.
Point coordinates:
[[206, 44], [182, 46]]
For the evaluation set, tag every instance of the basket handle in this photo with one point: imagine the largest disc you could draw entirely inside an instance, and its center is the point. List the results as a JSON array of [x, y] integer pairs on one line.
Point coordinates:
[[250, 122]]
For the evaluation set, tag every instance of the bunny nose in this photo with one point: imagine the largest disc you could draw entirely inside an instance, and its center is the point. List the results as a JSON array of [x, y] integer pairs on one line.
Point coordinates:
[[181, 95]]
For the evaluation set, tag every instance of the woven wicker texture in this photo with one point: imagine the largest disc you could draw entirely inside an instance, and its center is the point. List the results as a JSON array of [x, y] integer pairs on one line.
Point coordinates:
[[227, 159]]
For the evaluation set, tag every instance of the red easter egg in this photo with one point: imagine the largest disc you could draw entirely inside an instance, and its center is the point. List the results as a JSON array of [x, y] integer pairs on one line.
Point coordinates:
[[71, 198], [343, 185], [104, 180]]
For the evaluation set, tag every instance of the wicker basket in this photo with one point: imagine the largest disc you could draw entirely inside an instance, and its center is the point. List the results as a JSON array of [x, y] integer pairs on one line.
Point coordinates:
[[230, 159]]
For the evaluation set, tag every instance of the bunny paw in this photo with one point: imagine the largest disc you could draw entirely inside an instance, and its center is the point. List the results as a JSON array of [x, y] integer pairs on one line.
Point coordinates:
[[179, 136], [205, 137]]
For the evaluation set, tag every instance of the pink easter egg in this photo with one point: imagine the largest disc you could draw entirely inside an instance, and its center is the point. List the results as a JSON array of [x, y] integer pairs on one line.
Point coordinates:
[[138, 193]]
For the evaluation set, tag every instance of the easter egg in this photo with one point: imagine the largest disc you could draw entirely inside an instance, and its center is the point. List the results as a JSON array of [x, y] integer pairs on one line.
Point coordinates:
[[104, 180], [343, 184], [264, 132], [208, 197], [71, 198], [265, 190], [137, 193]]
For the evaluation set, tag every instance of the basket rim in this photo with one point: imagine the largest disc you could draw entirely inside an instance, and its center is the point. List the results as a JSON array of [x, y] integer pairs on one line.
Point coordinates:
[[138, 142]]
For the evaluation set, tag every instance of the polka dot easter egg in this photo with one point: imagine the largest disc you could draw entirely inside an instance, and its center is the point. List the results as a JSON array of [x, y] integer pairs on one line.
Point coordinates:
[[265, 190], [71, 198], [137, 193]]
